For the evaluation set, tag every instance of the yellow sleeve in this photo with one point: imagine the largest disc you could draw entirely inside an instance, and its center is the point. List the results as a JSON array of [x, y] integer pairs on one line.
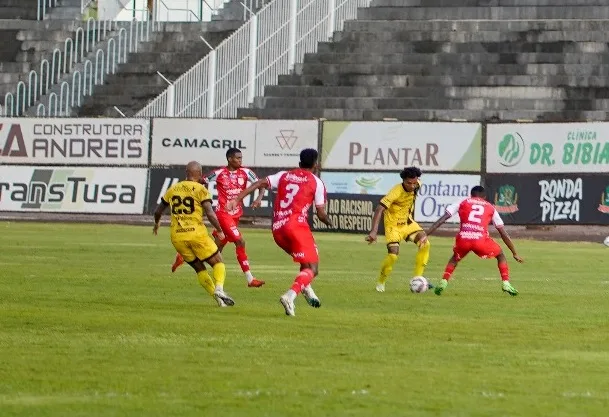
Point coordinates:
[[391, 196], [167, 197], [204, 195]]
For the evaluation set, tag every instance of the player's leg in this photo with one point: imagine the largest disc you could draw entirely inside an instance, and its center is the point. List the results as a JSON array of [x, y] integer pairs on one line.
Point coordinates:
[[415, 233], [233, 234], [393, 236], [460, 250], [487, 249], [186, 252], [207, 250], [222, 219]]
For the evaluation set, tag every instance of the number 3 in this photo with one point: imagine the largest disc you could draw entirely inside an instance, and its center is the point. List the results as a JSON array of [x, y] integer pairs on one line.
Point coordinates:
[[292, 189], [476, 213]]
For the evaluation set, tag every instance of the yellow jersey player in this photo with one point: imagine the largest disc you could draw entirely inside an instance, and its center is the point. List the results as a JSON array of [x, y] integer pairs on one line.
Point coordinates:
[[187, 200], [398, 209]]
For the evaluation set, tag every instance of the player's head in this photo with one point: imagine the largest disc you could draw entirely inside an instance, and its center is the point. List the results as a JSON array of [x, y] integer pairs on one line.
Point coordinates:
[[410, 178], [308, 159], [194, 172], [478, 191], [234, 158]]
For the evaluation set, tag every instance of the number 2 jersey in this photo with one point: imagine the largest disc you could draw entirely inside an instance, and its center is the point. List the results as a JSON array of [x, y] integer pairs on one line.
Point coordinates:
[[475, 215], [296, 191], [185, 200]]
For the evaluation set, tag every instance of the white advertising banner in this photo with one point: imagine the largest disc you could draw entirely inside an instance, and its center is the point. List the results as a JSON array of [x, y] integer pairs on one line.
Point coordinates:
[[547, 148], [263, 143], [74, 141], [73, 190], [391, 146], [437, 190]]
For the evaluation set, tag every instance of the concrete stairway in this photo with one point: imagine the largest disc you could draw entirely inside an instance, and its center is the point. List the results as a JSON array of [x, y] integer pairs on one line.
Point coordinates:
[[454, 59], [171, 52], [18, 9]]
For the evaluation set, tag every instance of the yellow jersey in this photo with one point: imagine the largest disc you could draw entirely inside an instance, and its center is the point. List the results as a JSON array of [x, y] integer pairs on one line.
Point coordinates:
[[186, 202], [399, 205]]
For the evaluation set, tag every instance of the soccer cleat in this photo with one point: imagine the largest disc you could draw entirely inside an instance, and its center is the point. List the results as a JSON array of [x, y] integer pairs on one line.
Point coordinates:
[[441, 287], [255, 283], [507, 287], [224, 297], [178, 261], [220, 302], [380, 287], [311, 297], [288, 305]]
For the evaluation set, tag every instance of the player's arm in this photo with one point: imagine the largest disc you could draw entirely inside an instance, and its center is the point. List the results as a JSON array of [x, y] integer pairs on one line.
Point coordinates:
[[158, 213], [258, 185], [376, 221], [213, 219], [500, 226], [450, 211], [320, 200], [251, 175]]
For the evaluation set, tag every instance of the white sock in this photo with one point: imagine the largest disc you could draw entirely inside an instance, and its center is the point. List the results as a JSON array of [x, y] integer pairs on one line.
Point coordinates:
[[291, 294], [249, 276], [219, 288]]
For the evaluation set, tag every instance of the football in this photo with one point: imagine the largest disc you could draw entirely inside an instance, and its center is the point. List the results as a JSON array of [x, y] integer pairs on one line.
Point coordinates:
[[419, 284], [606, 241]]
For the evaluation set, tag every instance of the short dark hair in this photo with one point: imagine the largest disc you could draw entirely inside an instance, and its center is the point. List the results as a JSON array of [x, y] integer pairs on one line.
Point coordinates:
[[478, 191], [232, 152], [308, 158], [411, 172]]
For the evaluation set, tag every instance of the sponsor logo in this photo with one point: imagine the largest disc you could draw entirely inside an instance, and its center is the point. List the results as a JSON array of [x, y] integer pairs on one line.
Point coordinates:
[[286, 139], [506, 199], [560, 199], [511, 149], [603, 207], [51, 189], [202, 143], [367, 183]]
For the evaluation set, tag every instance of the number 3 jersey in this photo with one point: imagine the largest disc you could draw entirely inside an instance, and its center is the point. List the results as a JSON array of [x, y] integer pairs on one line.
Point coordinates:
[[296, 191], [475, 215], [186, 202]]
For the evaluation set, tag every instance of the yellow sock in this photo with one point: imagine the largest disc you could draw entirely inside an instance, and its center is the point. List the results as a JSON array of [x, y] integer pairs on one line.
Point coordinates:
[[219, 272], [206, 282], [421, 259], [387, 267]]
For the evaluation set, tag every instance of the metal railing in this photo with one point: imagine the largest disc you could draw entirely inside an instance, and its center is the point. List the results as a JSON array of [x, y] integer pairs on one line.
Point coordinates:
[[266, 46], [43, 8], [93, 65]]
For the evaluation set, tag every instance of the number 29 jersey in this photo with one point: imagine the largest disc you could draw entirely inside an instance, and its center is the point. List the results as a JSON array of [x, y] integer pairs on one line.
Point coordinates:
[[296, 191], [475, 215], [186, 200]]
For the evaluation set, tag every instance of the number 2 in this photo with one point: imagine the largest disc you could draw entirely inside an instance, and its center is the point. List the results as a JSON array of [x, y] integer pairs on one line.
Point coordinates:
[[292, 189], [476, 213], [177, 202]]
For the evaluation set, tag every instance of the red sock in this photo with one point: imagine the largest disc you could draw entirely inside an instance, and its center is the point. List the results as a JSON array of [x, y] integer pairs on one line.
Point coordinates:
[[448, 271], [504, 271], [242, 258], [303, 279]]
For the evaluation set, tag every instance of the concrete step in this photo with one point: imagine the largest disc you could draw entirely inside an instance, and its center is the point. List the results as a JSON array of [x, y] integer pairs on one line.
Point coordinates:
[[486, 3], [447, 80], [190, 47], [147, 68], [447, 92], [425, 115], [472, 103], [169, 57], [466, 47], [497, 13], [480, 69], [18, 12], [537, 36], [190, 36], [475, 25], [200, 27], [458, 58], [40, 25], [18, 67], [45, 35]]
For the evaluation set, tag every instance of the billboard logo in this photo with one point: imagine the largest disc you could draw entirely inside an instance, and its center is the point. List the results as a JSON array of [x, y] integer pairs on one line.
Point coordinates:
[[506, 200], [14, 144], [511, 150], [603, 207], [286, 139]]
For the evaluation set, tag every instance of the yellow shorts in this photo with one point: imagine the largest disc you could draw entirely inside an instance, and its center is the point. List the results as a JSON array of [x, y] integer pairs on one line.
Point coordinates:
[[201, 248], [407, 232]]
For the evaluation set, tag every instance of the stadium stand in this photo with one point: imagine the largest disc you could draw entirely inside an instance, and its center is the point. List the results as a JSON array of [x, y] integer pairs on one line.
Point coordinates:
[[454, 59]]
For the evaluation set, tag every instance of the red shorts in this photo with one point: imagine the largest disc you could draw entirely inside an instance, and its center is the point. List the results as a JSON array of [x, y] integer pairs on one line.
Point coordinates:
[[297, 242], [228, 224], [484, 248]]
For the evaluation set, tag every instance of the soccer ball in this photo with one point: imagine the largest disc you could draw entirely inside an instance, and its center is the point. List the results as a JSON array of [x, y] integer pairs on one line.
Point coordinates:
[[419, 284], [606, 241]]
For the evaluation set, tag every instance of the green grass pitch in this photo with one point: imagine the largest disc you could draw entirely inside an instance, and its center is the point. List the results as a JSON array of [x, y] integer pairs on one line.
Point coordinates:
[[93, 323]]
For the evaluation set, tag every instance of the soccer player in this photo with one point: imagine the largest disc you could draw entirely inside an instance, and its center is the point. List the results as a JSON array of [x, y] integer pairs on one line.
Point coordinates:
[[230, 181], [296, 190], [398, 210], [188, 199], [475, 214]]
